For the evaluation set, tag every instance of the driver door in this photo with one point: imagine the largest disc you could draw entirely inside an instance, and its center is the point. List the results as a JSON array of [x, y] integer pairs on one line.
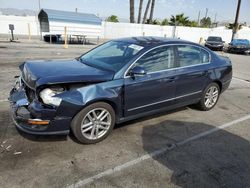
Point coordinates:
[[155, 89]]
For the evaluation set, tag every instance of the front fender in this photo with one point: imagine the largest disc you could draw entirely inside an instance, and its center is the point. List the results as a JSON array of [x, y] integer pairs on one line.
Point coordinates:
[[75, 100]]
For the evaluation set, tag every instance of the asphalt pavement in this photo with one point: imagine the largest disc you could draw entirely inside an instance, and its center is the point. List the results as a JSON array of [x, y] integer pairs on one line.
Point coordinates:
[[181, 148]]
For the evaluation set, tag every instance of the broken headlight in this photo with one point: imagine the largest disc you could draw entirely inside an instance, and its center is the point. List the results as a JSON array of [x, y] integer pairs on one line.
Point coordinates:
[[48, 96]]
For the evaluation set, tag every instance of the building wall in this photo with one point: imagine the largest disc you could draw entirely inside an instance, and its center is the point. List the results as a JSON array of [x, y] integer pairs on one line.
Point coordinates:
[[110, 30], [91, 31], [20, 24], [116, 30]]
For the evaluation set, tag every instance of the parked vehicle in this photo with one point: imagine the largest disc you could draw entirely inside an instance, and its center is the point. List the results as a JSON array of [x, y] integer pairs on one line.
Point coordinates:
[[214, 43], [118, 81], [239, 46]]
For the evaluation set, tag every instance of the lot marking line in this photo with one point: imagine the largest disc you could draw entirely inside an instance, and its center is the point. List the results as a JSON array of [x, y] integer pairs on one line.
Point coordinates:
[[9, 71], [123, 166], [4, 100], [242, 80]]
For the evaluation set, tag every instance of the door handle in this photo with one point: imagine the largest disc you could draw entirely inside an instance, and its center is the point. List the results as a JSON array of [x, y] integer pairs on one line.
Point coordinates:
[[171, 79]]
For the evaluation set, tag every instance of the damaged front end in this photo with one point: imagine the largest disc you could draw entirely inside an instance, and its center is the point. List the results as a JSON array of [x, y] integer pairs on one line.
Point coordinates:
[[32, 116], [48, 94]]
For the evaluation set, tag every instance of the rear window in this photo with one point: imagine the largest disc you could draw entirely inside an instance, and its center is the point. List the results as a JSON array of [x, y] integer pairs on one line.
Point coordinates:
[[216, 39]]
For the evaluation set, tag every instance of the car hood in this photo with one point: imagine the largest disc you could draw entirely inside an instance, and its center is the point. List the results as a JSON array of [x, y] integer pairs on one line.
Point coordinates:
[[43, 72]]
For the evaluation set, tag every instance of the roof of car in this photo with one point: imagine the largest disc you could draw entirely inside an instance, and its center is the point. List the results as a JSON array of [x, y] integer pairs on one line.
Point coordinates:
[[149, 41]]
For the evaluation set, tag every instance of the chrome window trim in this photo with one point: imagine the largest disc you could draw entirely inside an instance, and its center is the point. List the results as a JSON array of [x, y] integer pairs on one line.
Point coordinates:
[[166, 100], [175, 68]]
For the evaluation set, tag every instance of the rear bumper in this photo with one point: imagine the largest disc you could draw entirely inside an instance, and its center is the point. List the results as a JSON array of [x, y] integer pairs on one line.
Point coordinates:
[[23, 113]]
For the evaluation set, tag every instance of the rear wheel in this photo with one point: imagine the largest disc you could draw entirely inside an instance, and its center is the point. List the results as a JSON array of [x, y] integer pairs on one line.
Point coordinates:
[[209, 97], [94, 123]]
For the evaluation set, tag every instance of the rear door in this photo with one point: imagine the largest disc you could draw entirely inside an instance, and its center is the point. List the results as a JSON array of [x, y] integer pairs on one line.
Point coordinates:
[[154, 90], [192, 72]]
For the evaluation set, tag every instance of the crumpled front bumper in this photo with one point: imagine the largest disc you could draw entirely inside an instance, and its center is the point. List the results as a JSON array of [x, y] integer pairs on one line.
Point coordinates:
[[35, 118]]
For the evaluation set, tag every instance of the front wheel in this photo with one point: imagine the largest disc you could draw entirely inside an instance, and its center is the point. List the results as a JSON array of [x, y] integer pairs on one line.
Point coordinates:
[[94, 123], [209, 97]]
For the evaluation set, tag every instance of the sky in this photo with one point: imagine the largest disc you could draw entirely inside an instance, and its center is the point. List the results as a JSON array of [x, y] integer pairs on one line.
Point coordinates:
[[225, 9]]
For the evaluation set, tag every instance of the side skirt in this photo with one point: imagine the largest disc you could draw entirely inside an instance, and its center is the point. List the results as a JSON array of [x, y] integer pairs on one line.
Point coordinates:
[[152, 112]]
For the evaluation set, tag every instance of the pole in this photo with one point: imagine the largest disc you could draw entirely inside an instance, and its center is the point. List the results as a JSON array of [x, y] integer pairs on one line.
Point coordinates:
[[39, 5], [206, 12], [215, 16], [236, 25], [65, 37], [29, 31], [12, 35], [199, 18]]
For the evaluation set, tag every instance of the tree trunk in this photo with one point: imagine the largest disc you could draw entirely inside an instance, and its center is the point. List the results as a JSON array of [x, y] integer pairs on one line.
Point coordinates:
[[132, 11], [152, 11], [139, 13], [146, 12]]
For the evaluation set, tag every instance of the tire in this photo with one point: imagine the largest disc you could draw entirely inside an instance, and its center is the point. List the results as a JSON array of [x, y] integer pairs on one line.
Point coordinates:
[[212, 89], [94, 115]]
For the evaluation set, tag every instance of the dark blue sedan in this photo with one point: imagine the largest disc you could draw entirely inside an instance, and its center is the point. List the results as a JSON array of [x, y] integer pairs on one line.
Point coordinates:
[[117, 81]]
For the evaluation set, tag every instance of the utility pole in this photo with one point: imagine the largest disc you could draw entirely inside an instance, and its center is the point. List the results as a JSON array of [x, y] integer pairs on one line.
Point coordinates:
[[236, 25], [39, 5], [215, 16], [198, 21], [206, 12]]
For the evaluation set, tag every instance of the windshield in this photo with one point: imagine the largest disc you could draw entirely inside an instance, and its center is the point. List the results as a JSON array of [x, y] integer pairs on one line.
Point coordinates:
[[217, 39], [112, 55]]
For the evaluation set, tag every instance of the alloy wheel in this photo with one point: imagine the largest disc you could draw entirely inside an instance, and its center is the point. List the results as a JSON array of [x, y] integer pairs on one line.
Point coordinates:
[[96, 123], [211, 96]]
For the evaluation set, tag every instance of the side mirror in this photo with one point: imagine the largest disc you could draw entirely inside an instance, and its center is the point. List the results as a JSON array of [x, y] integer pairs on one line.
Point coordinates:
[[137, 71], [223, 41]]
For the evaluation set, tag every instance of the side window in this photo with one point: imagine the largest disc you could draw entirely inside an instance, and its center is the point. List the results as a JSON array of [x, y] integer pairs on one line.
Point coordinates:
[[158, 59], [191, 55]]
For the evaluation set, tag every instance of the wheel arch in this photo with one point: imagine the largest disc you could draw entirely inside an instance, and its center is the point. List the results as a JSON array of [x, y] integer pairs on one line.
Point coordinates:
[[105, 100], [219, 84]]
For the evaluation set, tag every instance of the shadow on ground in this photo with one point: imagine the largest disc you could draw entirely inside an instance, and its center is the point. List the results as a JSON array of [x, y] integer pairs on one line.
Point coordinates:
[[218, 160]]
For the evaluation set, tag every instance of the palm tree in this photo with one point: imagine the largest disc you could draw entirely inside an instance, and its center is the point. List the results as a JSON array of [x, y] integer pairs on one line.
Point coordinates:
[[146, 12], [139, 13], [152, 11], [179, 19], [112, 18], [205, 22], [164, 22], [132, 11]]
